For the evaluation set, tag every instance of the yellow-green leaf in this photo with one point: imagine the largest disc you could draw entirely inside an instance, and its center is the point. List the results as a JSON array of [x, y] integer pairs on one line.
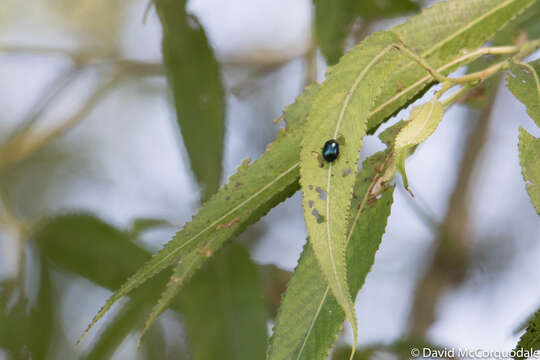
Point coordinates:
[[249, 195], [529, 158], [422, 123], [523, 80], [455, 28], [309, 318], [340, 112]]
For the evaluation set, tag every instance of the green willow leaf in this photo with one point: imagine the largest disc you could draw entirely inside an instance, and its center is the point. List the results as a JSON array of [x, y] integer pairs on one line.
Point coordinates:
[[526, 23], [195, 80], [310, 318], [529, 158], [248, 196], [225, 315], [530, 339], [523, 80], [455, 29], [85, 245], [334, 19], [340, 112], [421, 125]]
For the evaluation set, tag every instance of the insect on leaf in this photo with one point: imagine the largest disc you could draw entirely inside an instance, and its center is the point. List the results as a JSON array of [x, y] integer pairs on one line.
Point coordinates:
[[309, 318], [194, 77], [422, 123], [250, 194], [529, 158], [340, 112], [523, 80]]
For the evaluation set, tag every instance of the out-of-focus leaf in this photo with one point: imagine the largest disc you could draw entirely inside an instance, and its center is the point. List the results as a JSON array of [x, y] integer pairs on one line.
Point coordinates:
[[455, 27], [26, 331], [194, 77], [422, 123], [529, 158], [87, 246], [376, 9], [530, 339], [340, 112], [523, 80], [526, 23], [223, 309], [249, 195], [344, 353], [333, 21], [334, 18], [96, 20], [310, 318], [141, 225], [274, 282]]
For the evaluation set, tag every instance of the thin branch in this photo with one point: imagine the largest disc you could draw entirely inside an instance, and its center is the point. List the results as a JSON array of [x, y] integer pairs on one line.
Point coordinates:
[[48, 95], [26, 144]]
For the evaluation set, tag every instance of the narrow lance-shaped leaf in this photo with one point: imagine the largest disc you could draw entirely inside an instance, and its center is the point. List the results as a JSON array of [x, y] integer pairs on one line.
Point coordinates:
[[523, 80], [225, 315], [422, 123], [248, 196], [334, 19], [456, 28], [340, 112], [199, 98], [529, 158], [309, 317]]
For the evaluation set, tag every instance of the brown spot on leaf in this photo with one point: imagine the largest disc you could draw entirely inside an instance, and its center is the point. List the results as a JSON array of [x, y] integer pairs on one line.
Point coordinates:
[[229, 224]]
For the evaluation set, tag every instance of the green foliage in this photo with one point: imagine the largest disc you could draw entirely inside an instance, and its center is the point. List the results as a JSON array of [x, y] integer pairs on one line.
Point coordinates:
[[524, 82], [249, 195], [195, 79], [334, 18], [225, 296], [85, 245], [310, 318], [526, 24], [422, 123], [455, 27], [25, 329], [529, 158], [530, 339], [345, 212], [340, 112]]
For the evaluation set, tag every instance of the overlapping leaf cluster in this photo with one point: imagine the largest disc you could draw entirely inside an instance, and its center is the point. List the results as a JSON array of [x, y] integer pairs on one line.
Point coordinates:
[[371, 83]]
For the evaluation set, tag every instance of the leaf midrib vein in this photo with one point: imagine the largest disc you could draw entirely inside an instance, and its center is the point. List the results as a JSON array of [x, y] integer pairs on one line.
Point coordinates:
[[325, 295]]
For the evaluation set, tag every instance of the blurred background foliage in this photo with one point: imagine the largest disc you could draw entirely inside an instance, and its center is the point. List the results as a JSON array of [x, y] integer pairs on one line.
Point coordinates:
[[102, 160]]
